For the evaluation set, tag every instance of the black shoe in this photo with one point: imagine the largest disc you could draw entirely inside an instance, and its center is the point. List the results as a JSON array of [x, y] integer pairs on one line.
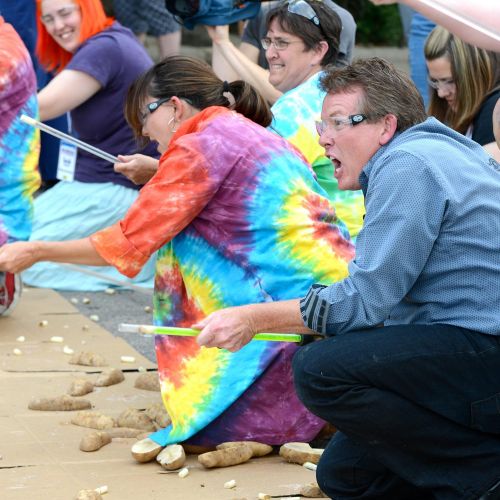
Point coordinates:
[[493, 493]]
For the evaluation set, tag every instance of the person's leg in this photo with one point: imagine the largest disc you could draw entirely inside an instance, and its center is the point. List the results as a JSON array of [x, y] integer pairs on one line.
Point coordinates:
[[422, 399], [419, 30], [170, 44], [406, 14], [348, 470], [162, 26]]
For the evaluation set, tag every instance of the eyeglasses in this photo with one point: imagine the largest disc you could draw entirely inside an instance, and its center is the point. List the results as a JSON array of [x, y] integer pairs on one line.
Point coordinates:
[[63, 13], [277, 43], [338, 122], [302, 8], [441, 84], [152, 107]]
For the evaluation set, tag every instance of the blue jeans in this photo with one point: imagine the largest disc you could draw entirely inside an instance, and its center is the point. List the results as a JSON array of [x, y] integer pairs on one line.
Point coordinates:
[[419, 30], [417, 408]]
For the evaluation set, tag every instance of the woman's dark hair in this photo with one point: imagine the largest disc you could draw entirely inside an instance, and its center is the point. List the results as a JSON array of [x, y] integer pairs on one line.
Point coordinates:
[[195, 81], [328, 30]]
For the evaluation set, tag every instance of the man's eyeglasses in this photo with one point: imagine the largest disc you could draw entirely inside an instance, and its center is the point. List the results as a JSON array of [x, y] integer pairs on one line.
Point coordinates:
[[441, 84], [277, 43], [152, 107], [63, 13], [339, 122], [302, 8]]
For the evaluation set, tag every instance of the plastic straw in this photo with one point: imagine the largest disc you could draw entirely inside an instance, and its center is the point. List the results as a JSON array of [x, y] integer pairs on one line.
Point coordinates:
[[189, 332], [61, 135]]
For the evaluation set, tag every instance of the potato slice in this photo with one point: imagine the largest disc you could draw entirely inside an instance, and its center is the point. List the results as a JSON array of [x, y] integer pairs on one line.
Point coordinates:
[[172, 457], [145, 450], [300, 453]]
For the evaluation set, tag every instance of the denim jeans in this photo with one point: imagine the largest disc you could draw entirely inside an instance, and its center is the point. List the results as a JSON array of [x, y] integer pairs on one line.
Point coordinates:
[[417, 408], [419, 30]]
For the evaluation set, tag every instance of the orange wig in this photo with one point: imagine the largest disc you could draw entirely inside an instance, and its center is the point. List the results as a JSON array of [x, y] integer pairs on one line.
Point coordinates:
[[51, 55]]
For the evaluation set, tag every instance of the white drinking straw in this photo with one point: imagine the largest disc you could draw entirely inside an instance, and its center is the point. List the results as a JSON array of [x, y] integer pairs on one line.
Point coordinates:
[[61, 135]]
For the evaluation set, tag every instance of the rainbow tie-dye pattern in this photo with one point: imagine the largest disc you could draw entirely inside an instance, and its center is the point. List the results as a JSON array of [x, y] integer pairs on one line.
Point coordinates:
[[295, 114], [19, 143], [240, 219]]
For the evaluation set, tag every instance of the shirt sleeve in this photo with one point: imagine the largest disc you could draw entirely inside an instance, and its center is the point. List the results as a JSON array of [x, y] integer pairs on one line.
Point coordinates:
[[100, 58], [405, 206], [179, 191]]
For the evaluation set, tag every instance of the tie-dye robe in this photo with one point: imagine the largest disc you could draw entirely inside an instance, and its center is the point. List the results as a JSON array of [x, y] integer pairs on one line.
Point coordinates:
[[295, 114], [238, 218], [19, 142]]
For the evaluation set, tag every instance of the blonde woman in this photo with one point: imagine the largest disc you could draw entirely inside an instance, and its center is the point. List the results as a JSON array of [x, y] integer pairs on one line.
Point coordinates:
[[464, 88]]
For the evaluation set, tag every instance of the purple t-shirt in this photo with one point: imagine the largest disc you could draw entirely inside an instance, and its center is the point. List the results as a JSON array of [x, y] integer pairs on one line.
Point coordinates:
[[115, 59]]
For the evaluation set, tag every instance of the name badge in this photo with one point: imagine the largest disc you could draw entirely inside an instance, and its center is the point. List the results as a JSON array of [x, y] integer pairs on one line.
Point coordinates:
[[66, 163]]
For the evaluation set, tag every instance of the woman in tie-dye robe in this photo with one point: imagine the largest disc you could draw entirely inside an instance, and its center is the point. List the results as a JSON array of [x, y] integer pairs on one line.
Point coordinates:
[[237, 217]]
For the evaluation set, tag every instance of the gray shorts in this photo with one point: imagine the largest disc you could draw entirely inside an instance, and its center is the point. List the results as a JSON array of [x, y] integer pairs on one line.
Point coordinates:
[[145, 16]]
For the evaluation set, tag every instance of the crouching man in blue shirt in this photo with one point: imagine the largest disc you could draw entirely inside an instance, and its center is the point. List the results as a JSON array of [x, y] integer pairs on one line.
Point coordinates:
[[408, 370]]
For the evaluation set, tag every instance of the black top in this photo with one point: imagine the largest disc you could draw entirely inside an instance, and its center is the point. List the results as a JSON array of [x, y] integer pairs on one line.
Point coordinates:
[[482, 131]]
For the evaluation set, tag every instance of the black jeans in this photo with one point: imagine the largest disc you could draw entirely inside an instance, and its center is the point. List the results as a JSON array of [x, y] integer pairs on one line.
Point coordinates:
[[417, 408]]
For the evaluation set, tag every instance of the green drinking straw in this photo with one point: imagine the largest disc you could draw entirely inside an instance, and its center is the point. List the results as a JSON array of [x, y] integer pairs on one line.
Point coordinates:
[[189, 332]]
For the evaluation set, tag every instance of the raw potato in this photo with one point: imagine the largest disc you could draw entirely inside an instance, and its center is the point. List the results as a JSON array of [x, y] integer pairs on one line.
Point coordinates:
[[299, 453], [124, 432], [60, 403], [312, 490], [135, 419], [258, 449], [145, 450], [87, 359], [94, 441], [148, 381], [80, 387], [172, 457], [158, 415], [88, 495], [94, 420], [225, 458], [110, 377]]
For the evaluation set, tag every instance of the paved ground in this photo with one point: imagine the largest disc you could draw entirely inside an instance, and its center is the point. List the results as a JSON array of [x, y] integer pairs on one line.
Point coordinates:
[[122, 307]]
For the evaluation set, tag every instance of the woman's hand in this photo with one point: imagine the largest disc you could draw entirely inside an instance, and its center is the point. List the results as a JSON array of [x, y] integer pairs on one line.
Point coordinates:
[[16, 257], [230, 329], [138, 168], [218, 34]]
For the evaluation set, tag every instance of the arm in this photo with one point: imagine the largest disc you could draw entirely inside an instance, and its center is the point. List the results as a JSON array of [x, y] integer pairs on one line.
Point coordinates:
[[231, 63], [138, 168], [17, 257], [474, 22], [184, 183], [234, 327], [65, 92], [493, 150]]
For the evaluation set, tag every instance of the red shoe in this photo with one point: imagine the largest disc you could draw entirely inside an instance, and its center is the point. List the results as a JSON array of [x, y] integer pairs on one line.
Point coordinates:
[[10, 291]]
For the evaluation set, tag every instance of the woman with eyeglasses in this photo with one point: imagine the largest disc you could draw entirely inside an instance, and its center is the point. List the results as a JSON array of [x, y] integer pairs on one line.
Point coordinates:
[[237, 217], [95, 60], [303, 38], [465, 86]]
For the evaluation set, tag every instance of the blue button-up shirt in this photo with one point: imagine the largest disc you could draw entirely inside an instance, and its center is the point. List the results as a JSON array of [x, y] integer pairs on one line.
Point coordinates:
[[429, 250]]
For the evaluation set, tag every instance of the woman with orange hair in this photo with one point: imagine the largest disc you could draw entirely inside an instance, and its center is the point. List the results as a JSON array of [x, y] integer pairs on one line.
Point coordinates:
[[96, 59]]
